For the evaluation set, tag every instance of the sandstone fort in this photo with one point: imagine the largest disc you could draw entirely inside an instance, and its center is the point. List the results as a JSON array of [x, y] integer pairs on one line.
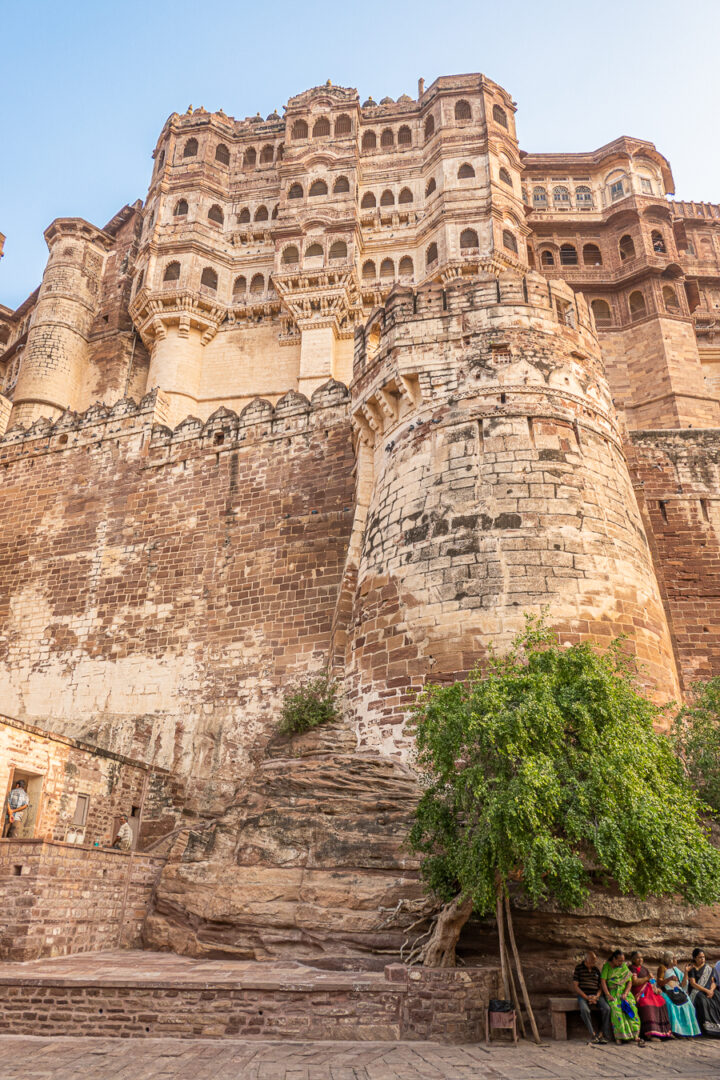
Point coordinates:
[[353, 388]]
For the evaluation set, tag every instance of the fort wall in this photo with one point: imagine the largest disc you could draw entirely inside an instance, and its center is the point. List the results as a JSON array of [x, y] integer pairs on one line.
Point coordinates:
[[159, 588], [499, 487]]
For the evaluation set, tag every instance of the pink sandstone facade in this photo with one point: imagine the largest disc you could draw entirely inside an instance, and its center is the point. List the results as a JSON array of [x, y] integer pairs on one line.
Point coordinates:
[[353, 388]]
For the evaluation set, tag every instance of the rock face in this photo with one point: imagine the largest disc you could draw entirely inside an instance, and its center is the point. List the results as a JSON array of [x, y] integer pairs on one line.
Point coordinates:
[[309, 862]]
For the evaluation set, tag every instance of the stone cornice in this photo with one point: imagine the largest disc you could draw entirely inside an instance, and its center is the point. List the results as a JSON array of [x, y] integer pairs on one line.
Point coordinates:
[[152, 313]]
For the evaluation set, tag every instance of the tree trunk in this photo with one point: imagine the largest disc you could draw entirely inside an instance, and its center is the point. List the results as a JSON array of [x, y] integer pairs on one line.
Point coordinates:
[[440, 949], [501, 936], [514, 995], [518, 966]]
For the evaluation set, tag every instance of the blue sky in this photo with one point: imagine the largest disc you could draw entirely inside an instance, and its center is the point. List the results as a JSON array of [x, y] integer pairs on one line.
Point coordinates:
[[86, 87]]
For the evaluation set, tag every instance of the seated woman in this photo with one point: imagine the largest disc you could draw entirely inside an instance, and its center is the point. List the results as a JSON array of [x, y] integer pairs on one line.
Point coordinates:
[[674, 986], [704, 994], [654, 1019], [616, 983]]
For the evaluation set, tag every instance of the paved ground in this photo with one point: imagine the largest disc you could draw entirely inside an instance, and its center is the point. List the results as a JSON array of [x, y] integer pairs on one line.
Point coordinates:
[[31, 1058]]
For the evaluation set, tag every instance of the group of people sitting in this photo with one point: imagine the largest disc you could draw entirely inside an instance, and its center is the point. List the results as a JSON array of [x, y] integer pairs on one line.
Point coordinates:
[[633, 1006]]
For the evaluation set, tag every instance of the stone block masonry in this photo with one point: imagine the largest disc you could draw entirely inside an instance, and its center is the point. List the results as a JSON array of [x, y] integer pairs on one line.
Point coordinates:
[[150, 995], [66, 898], [158, 589]]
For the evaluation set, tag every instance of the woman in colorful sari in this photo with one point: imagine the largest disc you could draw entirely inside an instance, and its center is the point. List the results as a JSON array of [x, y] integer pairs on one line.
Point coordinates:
[[704, 994], [674, 986], [654, 1019], [616, 981]]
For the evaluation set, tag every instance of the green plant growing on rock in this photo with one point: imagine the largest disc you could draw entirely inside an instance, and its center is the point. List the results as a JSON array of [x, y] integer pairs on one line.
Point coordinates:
[[541, 770], [308, 704], [696, 735]]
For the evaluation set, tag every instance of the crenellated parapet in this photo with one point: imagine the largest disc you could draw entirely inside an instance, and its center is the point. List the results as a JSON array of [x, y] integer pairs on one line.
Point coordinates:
[[292, 416]]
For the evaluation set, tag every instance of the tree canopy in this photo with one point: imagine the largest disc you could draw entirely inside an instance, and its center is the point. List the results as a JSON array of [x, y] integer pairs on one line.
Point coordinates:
[[696, 734], [546, 768]]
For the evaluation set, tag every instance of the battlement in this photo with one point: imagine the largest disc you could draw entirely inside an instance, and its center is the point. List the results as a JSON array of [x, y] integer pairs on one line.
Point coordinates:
[[293, 415], [504, 296]]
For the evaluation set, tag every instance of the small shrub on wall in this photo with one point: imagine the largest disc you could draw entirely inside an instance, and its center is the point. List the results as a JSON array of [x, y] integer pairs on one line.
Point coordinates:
[[309, 704]]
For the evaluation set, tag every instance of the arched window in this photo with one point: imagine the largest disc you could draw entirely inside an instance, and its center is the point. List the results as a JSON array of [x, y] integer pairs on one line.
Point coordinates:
[[463, 110], [547, 258], [295, 192], [315, 251], [209, 278], [627, 247], [468, 239], [431, 254], [369, 140], [601, 311], [406, 269], [509, 241], [568, 255], [290, 255], [387, 268], [617, 188], [387, 198], [321, 128], [539, 198], [406, 195], [257, 285], [267, 155], [181, 208], [244, 216], [387, 138], [583, 198], [430, 187], [670, 299], [368, 200], [404, 136], [300, 129], [172, 272], [338, 250], [250, 157], [343, 125], [465, 172], [160, 160], [637, 305], [658, 242], [429, 127], [561, 197], [239, 286], [261, 214], [191, 148], [341, 185], [222, 154], [504, 175], [500, 116], [215, 214], [318, 187], [280, 155], [368, 270], [592, 255]]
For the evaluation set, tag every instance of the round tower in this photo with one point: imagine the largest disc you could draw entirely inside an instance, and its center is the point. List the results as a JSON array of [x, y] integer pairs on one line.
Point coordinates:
[[55, 358], [491, 482]]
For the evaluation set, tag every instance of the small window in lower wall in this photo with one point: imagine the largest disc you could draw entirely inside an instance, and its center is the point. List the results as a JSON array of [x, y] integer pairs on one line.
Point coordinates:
[[81, 810]]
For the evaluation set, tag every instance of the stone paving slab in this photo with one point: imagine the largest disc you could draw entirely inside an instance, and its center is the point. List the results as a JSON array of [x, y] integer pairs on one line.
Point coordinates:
[[70, 1058]]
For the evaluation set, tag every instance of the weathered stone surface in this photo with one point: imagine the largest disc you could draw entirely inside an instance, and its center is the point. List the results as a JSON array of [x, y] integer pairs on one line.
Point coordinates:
[[310, 861]]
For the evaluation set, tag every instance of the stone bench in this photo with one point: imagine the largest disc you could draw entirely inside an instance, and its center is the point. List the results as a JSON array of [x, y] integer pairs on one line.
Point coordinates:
[[559, 1008]]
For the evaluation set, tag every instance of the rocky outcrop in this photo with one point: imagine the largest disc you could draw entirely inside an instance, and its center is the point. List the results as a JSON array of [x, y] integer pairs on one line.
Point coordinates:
[[310, 862]]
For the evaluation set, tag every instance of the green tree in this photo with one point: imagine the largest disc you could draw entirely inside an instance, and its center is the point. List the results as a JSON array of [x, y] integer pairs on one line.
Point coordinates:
[[545, 770], [696, 734]]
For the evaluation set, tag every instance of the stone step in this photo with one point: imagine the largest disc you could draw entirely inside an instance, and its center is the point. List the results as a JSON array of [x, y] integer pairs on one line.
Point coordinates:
[[142, 994]]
